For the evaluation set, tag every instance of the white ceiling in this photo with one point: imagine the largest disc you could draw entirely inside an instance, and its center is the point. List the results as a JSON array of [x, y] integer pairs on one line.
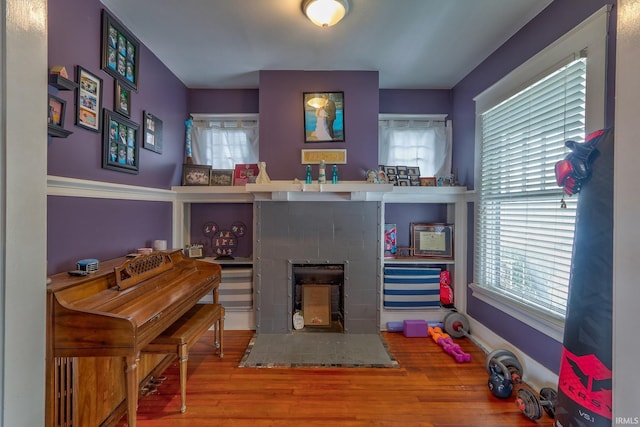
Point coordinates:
[[414, 44]]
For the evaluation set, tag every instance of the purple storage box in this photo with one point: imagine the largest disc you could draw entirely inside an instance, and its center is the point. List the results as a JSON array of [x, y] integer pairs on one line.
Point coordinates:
[[394, 327], [415, 328]]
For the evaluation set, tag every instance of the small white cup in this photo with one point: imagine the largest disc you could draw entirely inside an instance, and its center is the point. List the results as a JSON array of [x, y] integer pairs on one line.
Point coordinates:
[[160, 245]]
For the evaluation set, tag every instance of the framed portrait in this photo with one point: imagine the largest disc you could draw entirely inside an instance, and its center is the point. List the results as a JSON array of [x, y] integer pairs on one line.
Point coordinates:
[[120, 145], [152, 133], [120, 52], [221, 177], [323, 116], [432, 240], [121, 99], [195, 174], [245, 173], [88, 100], [413, 170], [55, 119]]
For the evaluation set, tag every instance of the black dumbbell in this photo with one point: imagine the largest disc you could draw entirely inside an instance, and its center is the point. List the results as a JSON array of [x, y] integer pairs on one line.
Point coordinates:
[[532, 407]]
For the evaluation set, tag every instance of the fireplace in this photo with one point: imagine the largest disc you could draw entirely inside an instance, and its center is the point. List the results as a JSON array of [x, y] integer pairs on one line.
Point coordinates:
[[318, 294], [312, 234]]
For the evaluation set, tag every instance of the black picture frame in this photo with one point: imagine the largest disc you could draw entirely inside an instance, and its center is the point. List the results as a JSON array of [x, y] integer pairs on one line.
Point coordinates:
[[88, 100], [195, 174], [55, 120], [221, 177], [432, 240], [120, 52], [120, 143], [121, 99], [325, 106], [152, 134]]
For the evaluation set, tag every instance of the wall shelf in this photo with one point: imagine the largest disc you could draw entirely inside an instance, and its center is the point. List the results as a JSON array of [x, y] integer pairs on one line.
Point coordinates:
[[62, 83]]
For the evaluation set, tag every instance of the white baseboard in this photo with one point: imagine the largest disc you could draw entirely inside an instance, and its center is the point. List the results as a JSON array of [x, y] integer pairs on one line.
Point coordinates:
[[535, 374]]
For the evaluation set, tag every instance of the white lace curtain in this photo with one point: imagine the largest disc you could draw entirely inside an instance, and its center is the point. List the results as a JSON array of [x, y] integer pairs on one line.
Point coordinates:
[[415, 142], [223, 143]]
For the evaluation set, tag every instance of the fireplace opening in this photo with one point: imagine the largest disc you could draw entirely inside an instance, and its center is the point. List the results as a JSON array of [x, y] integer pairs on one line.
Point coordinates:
[[318, 297]]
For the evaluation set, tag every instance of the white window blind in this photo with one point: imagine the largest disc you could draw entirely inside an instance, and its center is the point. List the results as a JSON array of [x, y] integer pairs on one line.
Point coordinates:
[[524, 237]]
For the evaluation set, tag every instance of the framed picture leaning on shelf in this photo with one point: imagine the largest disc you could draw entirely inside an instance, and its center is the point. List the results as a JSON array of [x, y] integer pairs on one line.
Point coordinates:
[[432, 240]]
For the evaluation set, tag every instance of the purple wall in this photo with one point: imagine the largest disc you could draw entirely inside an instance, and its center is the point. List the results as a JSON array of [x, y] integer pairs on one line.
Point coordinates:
[[223, 101], [425, 101], [103, 229], [224, 215], [282, 127], [554, 21]]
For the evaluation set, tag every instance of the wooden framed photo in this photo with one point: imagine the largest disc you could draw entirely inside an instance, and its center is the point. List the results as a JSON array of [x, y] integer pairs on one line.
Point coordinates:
[[88, 100], [432, 240], [316, 305], [152, 133], [121, 99], [323, 116], [55, 120], [221, 177], [120, 147], [120, 52], [195, 174]]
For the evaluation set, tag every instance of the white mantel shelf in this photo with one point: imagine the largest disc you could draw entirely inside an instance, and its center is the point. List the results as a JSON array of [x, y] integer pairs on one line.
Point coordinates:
[[299, 191]]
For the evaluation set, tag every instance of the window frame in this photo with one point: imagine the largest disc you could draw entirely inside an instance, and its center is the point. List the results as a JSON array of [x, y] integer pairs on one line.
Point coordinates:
[[590, 36]]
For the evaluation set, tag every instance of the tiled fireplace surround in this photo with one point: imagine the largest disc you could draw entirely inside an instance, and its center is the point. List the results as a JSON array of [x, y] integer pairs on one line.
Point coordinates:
[[321, 232]]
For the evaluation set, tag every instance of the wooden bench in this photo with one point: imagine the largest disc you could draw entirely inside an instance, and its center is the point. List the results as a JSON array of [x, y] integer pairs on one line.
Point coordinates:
[[184, 333]]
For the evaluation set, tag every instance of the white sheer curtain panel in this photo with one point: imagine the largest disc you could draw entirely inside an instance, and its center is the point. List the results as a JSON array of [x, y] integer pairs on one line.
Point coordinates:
[[414, 142], [224, 143]]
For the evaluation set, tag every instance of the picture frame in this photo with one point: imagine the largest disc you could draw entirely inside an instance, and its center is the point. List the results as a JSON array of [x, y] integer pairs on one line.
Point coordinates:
[[195, 174], [245, 173], [121, 99], [120, 52], [432, 240], [120, 143], [316, 305], [152, 132], [413, 170], [221, 177], [331, 156], [323, 116], [88, 100], [55, 120], [428, 181]]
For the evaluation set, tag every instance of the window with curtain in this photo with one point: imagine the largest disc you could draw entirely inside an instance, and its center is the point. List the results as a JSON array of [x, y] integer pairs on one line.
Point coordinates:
[[224, 141], [524, 223], [415, 141]]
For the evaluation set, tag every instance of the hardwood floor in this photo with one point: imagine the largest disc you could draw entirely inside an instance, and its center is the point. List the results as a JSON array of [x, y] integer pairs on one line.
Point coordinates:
[[429, 389]]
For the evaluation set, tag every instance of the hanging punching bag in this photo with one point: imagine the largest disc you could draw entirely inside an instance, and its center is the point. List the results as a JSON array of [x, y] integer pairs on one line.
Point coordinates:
[[584, 382]]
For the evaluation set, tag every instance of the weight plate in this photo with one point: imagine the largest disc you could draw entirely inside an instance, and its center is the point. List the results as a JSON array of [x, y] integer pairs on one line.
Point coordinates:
[[550, 396], [456, 324], [528, 404], [496, 354], [512, 362]]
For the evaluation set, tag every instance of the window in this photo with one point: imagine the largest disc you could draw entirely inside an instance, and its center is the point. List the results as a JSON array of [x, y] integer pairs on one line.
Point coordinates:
[[524, 234], [423, 141], [223, 141]]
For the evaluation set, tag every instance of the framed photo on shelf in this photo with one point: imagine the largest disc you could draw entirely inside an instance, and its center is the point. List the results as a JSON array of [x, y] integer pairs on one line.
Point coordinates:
[[432, 240], [195, 174], [221, 177], [120, 52], [88, 100], [323, 116], [121, 99], [120, 147], [55, 120], [152, 132], [245, 173]]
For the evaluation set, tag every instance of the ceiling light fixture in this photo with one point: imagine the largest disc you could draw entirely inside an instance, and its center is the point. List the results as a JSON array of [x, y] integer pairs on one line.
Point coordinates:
[[325, 13]]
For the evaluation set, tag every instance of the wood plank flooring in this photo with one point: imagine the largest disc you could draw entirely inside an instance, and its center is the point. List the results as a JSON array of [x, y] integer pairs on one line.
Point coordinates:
[[428, 389]]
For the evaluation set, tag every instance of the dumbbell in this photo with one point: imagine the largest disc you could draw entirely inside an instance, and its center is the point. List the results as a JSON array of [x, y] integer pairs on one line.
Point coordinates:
[[532, 407]]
